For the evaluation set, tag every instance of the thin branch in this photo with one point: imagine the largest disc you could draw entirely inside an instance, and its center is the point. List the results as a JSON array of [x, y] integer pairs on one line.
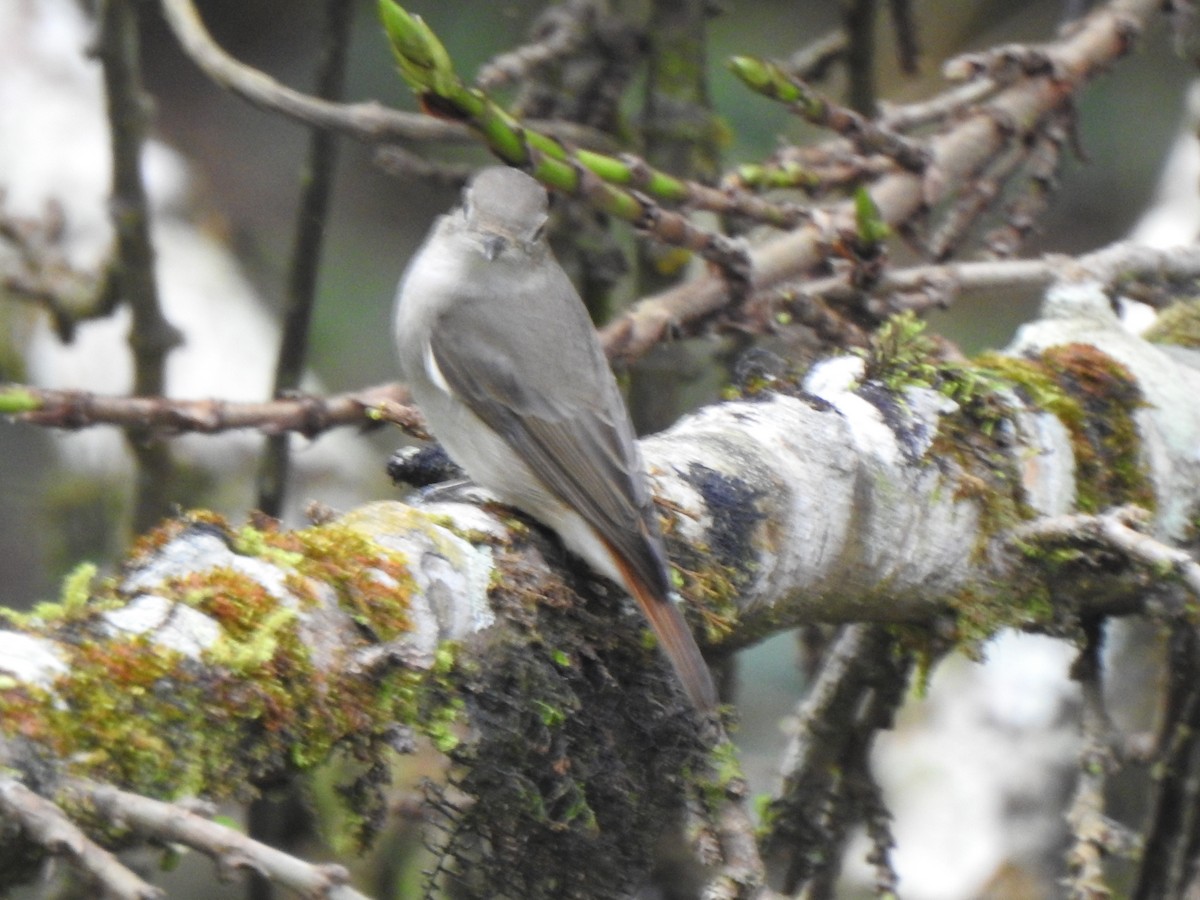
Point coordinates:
[[1003, 65], [306, 415], [1170, 833], [228, 848], [741, 871], [560, 31], [48, 827], [370, 122], [317, 190], [1119, 267], [151, 337], [1116, 530], [42, 275], [827, 785], [812, 63], [1092, 47], [1094, 835], [858, 21], [907, 48], [867, 136], [908, 116], [1022, 214]]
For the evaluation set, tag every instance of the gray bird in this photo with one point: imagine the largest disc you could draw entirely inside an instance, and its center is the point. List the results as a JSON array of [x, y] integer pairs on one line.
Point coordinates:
[[503, 360]]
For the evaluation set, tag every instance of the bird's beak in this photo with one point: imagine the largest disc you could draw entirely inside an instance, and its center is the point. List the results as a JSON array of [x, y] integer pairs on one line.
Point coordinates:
[[493, 246]]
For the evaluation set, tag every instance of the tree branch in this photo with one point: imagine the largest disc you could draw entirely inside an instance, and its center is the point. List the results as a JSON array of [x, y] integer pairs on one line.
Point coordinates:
[[370, 123], [306, 415], [228, 848], [960, 151], [48, 828], [152, 337], [316, 191]]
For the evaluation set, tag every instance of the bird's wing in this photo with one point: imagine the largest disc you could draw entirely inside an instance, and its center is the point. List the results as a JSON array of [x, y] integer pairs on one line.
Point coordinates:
[[567, 422]]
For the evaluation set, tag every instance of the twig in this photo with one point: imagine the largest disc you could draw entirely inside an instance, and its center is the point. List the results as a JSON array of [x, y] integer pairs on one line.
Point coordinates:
[[936, 109], [678, 126], [44, 276], [48, 827], [741, 871], [625, 187], [1004, 65], [560, 31], [869, 137], [229, 849], [905, 26], [1095, 836], [858, 21], [826, 781], [395, 160], [1115, 530], [370, 122], [305, 415], [1171, 835], [1102, 37], [317, 189], [151, 337], [812, 63], [1023, 212], [980, 194]]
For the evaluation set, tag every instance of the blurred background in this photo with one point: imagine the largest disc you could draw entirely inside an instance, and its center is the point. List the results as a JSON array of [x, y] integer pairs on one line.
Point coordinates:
[[244, 168], [233, 174]]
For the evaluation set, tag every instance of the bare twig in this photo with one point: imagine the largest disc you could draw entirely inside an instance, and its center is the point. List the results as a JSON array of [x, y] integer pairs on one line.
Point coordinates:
[[741, 872], [152, 337], [316, 191], [1021, 216], [936, 109], [812, 63], [560, 31], [907, 49], [827, 786], [42, 275], [306, 415], [229, 849], [48, 827], [1095, 836], [396, 160], [858, 21], [1167, 860]]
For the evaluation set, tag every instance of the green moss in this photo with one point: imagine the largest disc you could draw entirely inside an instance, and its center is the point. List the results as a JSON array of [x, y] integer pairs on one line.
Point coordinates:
[[712, 590], [1178, 324], [253, 706], [982, 611], [901, 354], [373, 583], [1095, 398]]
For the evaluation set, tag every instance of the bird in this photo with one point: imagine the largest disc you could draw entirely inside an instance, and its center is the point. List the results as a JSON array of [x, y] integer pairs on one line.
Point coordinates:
[[502, 358]]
